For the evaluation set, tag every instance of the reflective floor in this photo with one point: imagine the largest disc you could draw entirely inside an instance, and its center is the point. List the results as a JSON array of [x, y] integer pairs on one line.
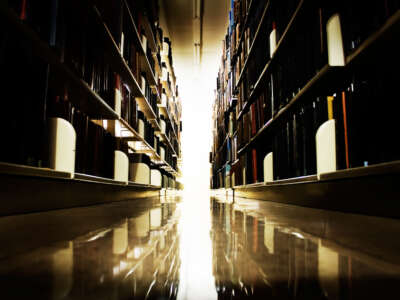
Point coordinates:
[[197, 248]]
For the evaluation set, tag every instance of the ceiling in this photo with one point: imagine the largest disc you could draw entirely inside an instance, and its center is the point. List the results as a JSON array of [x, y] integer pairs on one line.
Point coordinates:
[[177, 19]]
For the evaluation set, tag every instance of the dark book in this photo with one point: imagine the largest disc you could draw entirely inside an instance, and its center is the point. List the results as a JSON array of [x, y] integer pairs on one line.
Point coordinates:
[[112, 14], [26, 133], [296, 152], [254, 165], [253, 117], [260, 111], [81, 124]]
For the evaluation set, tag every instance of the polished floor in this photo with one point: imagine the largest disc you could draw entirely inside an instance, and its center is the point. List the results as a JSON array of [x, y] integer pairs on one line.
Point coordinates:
[[196, 247]]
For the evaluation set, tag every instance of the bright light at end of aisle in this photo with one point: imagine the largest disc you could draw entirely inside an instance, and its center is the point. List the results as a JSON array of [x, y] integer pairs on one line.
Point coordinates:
[[198, 95]]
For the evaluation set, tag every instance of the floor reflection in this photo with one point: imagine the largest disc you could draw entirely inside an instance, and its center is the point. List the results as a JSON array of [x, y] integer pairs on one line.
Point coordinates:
[[136, 258], [267, 251], [197, 249]]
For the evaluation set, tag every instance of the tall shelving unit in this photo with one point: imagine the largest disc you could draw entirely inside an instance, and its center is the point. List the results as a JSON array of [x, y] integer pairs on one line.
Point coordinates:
[[287, 69], [123, 100]]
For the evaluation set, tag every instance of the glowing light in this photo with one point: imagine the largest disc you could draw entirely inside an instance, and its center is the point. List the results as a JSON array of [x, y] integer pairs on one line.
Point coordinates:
[[299, 235], [137, 252]]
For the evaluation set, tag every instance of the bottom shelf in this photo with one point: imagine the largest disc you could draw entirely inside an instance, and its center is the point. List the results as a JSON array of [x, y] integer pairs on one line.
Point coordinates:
[[27, 189], [372, 190]]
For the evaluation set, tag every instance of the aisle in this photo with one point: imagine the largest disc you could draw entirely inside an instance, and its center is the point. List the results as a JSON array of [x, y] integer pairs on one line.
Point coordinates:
[[197, 280], [198, 248]]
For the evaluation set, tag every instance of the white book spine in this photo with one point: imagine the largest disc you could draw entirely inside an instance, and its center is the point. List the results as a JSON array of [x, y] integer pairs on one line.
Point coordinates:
[[335, 41], [121, 166], [272, 42], [326, 147], [144, 43], [139, 173], [269, 168], [62, 146], [122, 44], [156, 178]]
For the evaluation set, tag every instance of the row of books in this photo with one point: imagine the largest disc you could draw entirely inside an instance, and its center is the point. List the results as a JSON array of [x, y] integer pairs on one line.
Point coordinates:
[[307, 37], [70, 30], [359, 24], [53, 99], [302, 54], [359, 140]]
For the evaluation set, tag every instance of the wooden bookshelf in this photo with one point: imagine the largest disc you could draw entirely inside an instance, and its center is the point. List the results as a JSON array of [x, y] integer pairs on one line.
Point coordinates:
[[318, 82], [266, 71], [165, 138], [122, 67], [89, 102], [140, 97], [352, 190], [164, 110], [29, 189], [252, 46], [245, 24], [144, 147], [165, 59], [377, 42], [90, 105], [293, 104], [145, 64], [149, 32], [374, 46]]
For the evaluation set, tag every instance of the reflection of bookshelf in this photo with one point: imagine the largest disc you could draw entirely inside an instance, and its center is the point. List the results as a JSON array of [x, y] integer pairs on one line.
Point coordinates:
[[96, 92], [287, 105], [283, 236]]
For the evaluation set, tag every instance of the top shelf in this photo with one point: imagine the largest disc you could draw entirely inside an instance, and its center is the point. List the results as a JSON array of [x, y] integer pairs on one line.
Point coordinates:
[[123, 69], [145, 64], [88, 101], [364, 54], [165, 59], [259, 83], [149, 34], [141, 146], [165, 112], [252, 47], [246, 22]]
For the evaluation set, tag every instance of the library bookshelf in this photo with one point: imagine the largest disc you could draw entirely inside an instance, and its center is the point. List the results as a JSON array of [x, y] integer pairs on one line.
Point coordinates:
[[91, 102], [296, 85]]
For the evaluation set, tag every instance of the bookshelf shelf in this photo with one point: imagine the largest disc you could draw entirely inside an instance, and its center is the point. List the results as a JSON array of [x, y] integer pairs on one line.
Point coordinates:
[[35, 189], [143, 147], [122, 67], [223, 143], [89, 101], [375, 44], [145, 64], [318, 82], [167, 88], [165, 139], [165, 59], [335, 191], [252, 46], [157, 67], [164, 110], [89, 86], [284, 113], [149, 33], [321, 81], [27, 171], [246, 22], [260, 81]]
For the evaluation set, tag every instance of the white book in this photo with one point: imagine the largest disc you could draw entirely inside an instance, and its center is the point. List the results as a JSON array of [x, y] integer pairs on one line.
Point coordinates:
[[335, 41]]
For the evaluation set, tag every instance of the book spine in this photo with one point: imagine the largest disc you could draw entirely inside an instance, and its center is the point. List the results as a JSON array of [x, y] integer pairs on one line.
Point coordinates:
[[254, 165]]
